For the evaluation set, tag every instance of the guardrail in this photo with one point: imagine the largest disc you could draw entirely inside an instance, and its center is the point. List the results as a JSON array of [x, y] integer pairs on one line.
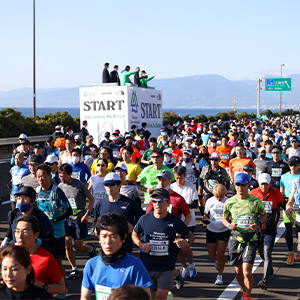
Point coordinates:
[[15, 140]]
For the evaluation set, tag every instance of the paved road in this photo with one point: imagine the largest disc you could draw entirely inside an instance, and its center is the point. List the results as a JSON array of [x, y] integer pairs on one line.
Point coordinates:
[[285, 284]]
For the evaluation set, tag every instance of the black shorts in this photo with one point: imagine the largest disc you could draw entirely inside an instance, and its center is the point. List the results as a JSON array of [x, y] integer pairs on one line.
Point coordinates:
[[243, 254], [76, 229], [192, 229], [214, 237], [59, 250]]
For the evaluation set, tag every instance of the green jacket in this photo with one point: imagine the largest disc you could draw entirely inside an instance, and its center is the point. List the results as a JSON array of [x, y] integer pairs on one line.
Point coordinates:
[[144, 81], [125, 77]]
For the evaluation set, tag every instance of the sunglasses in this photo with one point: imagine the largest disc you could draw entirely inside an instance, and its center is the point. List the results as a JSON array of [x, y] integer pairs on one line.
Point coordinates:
[[161, 200], [294, 164], [276, 152], [101, 165], [240, 184], [110, 184], [120, 171], [104, 153], [49, 164], [214, 159]]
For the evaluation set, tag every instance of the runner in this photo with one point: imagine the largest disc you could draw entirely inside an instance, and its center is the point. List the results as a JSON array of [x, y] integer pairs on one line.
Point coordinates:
[[76, 224], [52, 162], [146, 159], [217, 234], [248, 169], [104, 153], [261, 160], [65, 157], [168, 161], [243, 210], [224, 150], [159, 245], [271, 199], [133, 169], [80, 171], [102, 272], [192, 169]]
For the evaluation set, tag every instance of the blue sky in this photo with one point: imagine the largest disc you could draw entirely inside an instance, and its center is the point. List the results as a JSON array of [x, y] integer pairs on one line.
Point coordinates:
[[236, 39]]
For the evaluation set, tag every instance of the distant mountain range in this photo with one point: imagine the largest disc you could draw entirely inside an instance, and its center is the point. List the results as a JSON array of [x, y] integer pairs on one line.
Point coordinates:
[[192, 91]]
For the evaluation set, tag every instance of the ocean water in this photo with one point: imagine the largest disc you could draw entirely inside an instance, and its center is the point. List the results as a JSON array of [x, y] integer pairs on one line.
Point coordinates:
[[75, 112]]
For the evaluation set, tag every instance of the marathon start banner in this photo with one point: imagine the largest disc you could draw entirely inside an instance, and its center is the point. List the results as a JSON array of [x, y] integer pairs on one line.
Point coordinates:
[[107, 108]]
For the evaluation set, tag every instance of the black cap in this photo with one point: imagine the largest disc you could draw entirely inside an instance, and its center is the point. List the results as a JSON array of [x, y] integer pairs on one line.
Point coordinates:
[[247, 144], [35, 159], [49, 139], [161, 193], [39, 145], [28, 191], [25, 142], [248, 168], [294, 159]]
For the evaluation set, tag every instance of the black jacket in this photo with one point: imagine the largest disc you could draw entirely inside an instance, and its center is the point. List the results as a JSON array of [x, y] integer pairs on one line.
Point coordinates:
[[105, 76], [84, 132], [114, 76], [137, 79]]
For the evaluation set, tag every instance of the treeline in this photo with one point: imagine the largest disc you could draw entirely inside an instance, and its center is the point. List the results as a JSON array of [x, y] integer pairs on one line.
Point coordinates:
[[171, 117], [13, 123]]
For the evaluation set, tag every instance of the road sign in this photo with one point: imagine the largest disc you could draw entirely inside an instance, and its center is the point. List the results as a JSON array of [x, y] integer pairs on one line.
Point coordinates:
[[278, 84]]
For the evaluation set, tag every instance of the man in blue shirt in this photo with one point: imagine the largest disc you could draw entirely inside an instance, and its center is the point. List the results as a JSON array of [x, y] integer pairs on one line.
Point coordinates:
[[159, 245], [114, 266], [80, 171]]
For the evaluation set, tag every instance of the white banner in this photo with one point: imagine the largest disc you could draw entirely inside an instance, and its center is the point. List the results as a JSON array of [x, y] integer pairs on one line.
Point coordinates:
[[107, 108]]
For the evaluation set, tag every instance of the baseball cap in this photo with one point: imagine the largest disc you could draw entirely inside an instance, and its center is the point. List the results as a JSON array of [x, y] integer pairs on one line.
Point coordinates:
[[57, 127], [187, 151], [294, 140], [89, 137], [248, 168], [164, 174], [77, 137], [168, 151], [188, 130], [52, 158], [121, 166], [161, 193], [264, 178], [294, 159], [39, 145], [247, 144], [35, 159], [28, 191], [49, 139], [111, 178], [242, 178], [25, 142], [261, 149], [22, 136], [215, 155]]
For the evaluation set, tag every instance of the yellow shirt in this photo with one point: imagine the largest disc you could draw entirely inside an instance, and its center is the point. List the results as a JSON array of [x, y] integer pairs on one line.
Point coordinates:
[[108, 169], [134, 170]]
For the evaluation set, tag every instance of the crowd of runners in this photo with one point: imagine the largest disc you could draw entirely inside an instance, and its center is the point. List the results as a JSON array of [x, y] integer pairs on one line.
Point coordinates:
[[57, 189]]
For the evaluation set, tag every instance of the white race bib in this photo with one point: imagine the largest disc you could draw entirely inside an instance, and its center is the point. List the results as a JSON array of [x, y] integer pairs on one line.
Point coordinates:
[[276, 172], [159, 248], [243, 222], [16, 180], [218, 214], [73, 203], [225, 155], [102, 292], [212, 183], [170, 209], [99, 196], [268, 206], [76, 175]]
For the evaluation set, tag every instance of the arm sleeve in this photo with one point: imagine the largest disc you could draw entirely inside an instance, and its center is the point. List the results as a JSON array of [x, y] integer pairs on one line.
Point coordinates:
[[196, 172], [68, 212]]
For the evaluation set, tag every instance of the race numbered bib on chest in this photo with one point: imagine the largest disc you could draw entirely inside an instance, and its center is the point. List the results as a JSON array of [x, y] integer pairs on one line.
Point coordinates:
[[211, 183], [243, 222], [116, 153], [170, 209], [159, 248], [73, 203], [218, 214], [76, 175], [225, 155], [99, 196], [298, 217], [295, 206], [103, 292], [16, 180], [276, 172], [268, 206]]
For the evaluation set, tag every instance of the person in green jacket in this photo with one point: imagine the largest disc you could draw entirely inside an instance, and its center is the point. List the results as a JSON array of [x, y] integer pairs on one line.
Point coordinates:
[[144, 79], [125, 75]]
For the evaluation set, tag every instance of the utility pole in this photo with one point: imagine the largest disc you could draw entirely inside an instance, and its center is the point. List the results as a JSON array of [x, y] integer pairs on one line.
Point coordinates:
[[282, 65], [258, 96], [234, 104]]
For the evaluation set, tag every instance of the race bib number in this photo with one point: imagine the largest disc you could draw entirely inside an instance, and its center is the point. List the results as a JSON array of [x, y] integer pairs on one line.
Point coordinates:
[[217, 215], [159, 248], [73, 203], [225, 155], [76, 175], [116, 153], [276, 172], [102, 292], [16, 180], [298, 217], [211, 183], [268, 206], [295, 206], [170, 209], [243, 222], [173, 160], [99, 196]]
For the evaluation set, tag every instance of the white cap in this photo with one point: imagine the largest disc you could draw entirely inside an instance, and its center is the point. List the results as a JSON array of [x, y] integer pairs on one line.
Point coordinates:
[[198, 129], [215, 155], [111, 178], [77, 137], [233, 127], [168, 151], [261, 149], [22, 136], [264, 178], [187, 151], [52, 158], [121, 166]]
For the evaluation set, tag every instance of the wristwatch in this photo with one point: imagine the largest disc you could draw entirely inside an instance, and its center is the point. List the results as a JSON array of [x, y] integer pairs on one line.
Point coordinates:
[[187, 241], [88, 213], [45, 286]]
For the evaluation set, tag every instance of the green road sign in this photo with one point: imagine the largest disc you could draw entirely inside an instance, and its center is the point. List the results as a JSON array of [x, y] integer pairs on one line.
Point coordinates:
[[278, 84]]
